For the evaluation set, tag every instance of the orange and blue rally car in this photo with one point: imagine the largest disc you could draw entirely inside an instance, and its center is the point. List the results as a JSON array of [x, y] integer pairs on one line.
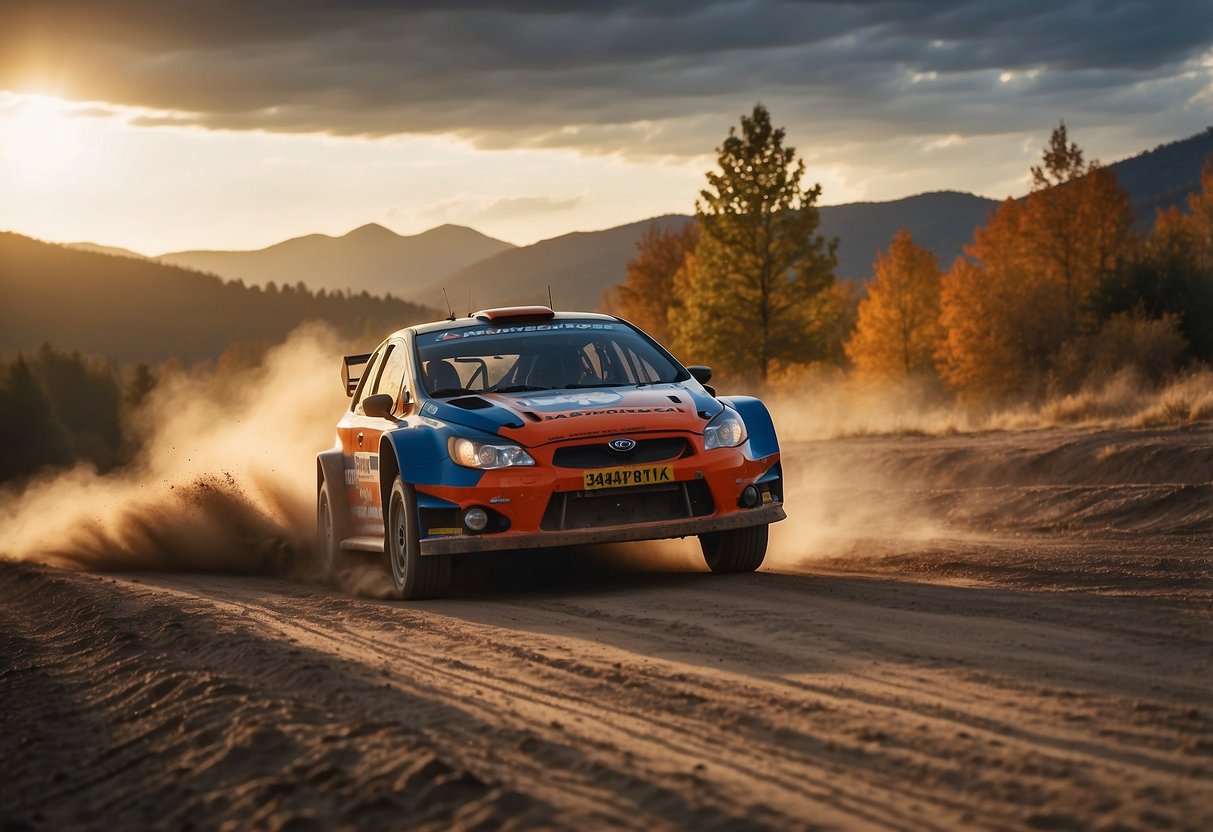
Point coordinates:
[[522, 428]]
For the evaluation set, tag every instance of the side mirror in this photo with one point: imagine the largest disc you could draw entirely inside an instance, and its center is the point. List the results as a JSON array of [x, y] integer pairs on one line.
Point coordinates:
[[379, 405], [700, 373]]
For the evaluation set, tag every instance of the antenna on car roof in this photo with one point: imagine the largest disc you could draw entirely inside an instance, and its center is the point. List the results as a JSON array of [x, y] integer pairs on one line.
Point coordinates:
[[550, 304], [469, 301], [450, 313]]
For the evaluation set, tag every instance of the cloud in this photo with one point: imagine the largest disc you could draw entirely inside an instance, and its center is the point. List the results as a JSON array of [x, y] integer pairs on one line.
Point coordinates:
[[526, 206], [610, 77]]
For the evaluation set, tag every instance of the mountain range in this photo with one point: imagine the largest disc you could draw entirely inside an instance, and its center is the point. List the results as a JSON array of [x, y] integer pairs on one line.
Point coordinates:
[[481, 271], [132, 309], [370, 258]]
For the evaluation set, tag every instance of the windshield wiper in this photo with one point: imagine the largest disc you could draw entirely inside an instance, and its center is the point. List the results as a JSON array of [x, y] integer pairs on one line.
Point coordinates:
[[447, 392], [516, 388]]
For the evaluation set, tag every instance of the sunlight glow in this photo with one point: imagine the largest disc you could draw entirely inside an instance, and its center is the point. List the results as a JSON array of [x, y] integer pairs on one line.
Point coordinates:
[[37, 135]]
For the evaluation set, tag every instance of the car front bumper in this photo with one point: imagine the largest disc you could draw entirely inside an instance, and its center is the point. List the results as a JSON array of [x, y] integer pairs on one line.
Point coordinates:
[[737, 519]]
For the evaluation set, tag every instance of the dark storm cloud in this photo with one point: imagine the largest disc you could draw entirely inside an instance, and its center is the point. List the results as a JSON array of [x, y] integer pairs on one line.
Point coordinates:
[[604, 76]]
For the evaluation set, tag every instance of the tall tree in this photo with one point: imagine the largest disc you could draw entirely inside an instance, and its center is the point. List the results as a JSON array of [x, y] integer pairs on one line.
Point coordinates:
[[1077, 224], [759, 289], [994, 313], [647, 294], [34, 436], [1028, 286], [898, 327]]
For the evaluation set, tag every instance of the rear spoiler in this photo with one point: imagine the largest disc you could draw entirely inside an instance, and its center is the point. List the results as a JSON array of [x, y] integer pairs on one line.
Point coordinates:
[[351, 371]]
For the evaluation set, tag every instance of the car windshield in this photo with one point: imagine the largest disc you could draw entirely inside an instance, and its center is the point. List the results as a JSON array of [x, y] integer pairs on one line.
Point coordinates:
[[558, 355]]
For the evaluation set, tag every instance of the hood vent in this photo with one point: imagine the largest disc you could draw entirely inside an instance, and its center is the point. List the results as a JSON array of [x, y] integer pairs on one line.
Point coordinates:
[[471, 403], [675, 400]]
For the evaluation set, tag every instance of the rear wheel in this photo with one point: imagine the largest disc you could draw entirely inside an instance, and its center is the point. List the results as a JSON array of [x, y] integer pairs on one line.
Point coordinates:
[[414, 576], [329, 555], [737, 550]]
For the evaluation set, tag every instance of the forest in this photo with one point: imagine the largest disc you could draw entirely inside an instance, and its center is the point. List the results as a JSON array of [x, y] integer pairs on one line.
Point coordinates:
[[1056, 292], [86, 337]]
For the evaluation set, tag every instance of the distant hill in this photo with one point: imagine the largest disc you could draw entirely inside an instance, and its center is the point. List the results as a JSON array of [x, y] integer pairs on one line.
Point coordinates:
[[371, 258], [133, 310], [942, 222], [578, 267], [1164, 176], [581, 266], [112, 251]]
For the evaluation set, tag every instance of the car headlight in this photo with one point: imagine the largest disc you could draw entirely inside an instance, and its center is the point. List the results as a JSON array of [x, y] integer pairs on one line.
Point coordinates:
[[473, 454], [725, 431]]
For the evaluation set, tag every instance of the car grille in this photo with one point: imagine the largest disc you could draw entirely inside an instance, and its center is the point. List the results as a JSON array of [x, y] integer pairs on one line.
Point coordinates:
[[598, 455], [571, 510]]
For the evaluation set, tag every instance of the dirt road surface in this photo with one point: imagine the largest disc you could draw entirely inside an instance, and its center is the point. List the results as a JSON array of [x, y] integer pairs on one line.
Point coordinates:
[[1031, 679]]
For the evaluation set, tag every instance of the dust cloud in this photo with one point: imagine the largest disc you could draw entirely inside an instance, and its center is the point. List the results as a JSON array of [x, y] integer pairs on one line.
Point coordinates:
[[835, 407], [878, 471], [224, 480]]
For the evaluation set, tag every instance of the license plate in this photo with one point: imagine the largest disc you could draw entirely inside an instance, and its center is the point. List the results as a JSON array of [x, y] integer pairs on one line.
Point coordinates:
[[624, 477]]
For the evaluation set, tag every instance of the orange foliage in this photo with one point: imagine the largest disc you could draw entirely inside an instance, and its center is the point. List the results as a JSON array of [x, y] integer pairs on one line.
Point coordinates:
[[1032, 271], [647, 293], [898, 325]]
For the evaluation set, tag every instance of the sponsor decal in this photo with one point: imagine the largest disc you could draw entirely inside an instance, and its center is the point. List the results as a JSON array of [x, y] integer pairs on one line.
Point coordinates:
[[615, 411], [515, 330], [366, 467], [583, 398]]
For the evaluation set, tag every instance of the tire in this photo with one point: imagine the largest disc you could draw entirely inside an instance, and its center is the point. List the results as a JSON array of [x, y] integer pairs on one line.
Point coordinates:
[[737, 550], [330, 558], [415, 577]]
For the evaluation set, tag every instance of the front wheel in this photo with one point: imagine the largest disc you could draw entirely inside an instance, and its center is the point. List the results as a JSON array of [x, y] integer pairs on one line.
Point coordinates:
[[737, 550], [415, 577]]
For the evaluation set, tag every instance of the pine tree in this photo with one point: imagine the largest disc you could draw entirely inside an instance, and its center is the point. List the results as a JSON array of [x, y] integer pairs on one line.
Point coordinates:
[[758, 290], [34, 436]]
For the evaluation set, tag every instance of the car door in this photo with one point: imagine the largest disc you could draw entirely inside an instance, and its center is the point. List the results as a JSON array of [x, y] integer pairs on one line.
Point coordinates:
[[365, 431]]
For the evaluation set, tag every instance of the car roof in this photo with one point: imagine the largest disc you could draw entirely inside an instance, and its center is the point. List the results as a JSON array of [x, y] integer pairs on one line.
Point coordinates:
[[501, 318]]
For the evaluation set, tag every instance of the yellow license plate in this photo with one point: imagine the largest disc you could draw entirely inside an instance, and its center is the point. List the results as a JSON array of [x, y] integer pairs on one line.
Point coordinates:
[[624, 477]]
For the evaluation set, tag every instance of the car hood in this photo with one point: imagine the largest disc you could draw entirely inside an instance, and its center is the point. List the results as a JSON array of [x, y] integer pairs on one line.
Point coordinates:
[[556, 415]]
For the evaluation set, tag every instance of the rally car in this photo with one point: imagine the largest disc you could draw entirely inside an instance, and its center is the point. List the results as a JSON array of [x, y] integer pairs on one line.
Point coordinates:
[[522, 428]]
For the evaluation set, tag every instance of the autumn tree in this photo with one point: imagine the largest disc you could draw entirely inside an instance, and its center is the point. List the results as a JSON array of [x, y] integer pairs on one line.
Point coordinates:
[[995, 314], [1077, 226], [898, 327], [1027, 286], [647, 294], [758, 290], [1172, 274]]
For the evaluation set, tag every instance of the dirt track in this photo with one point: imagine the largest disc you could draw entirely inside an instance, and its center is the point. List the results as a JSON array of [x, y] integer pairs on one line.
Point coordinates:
[[1044, 678], [642, 701]]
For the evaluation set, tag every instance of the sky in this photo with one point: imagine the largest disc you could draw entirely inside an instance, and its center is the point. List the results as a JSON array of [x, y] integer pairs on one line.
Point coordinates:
[[164, 125]]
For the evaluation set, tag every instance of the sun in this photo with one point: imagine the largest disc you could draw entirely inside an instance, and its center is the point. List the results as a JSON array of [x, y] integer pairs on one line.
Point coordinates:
[[37, 134]]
